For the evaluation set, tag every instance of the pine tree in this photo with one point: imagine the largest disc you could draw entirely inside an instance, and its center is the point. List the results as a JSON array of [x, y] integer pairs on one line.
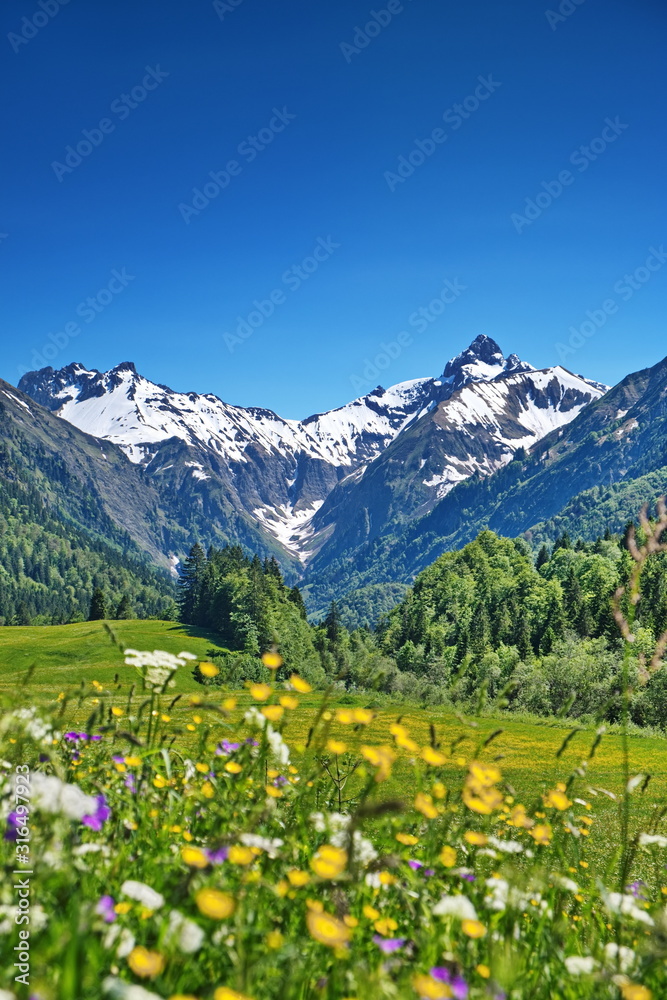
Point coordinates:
[[333, 624], [124, 609], [189, 585], [296, 598], [542, 557], [98, 606]]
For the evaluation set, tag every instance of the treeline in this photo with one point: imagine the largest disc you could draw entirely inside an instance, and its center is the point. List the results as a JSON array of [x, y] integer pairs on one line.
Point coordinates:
[[532, 631], [49, 569]]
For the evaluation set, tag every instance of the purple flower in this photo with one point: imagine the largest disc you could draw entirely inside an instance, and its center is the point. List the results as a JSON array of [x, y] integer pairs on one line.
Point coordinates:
[[96, 738], [218, 856], [458, 985], [72, 737], [100, 816], [636, 889], [130, 783], [388, 945], [117, 759], [280, 781], [428, 872], [468, 876], [14, 821], [251, 742], [225, 747], [106, 910], [415, 865]]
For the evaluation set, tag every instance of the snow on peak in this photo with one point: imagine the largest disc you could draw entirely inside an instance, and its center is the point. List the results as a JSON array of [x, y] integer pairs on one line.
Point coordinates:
[[482, 361]]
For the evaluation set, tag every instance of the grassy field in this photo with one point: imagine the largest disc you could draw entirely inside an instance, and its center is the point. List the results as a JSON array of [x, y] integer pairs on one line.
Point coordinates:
[[177, 780], [64, 656]]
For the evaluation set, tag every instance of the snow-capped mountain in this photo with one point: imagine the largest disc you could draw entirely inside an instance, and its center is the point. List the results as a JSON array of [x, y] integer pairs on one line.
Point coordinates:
[[278, 474]]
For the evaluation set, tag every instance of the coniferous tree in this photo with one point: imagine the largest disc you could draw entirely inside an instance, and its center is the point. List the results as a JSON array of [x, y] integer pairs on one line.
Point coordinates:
[[296, 597], [124, 609], [189, 585], [98, 607], [542, 557]]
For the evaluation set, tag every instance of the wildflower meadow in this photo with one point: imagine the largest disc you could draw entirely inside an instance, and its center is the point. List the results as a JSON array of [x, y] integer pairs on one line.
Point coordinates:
[[271, 843]]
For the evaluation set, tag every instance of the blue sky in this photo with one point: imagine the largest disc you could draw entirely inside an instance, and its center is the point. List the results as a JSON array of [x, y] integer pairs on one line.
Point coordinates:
[[332, 109]]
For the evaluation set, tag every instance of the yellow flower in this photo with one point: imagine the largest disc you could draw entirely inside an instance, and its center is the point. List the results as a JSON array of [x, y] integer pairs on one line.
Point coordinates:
[[208, 790], [370, 912], [240, 855], [289, 701], [405, 743], [519, 817], [273, 712], [439, 790], [485, 802], [182, 996], [329, 861], [133, 761], [144, 963], [233, 767], [123, 907], [556, 799], [303, 687], [473, 928], [273, 792], [345, 716], [274, 939], [327, 929], [260, 692], [475, 838], [633, 991], [194, 857], [424, 805], [385, 926], [229, 704], [215, 904], [116, 711], [484, 971], [272, 660], [542, 834], [380, 757], [407, 838], [363, 716], [386, 878], [433, 757], [431, 989], [336, 746], [208, 669], [166, 718], [224, 993], [350, 921], [448, 857], [298, 877]]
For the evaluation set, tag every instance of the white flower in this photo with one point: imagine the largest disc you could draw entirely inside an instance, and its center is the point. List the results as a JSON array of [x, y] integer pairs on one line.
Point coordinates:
[[118, 989], [565, 883], [455, 906], [184, 933], [646, 839], [254, 717], [143, 894], [332, 823], [122, 936], [634, 782], [508, 846], [622, 957], [52, 795], [364, 852], [372, 880], [616, 902], [5, 995], [278, 746], [580, 965], [187, 656], [264, 844]]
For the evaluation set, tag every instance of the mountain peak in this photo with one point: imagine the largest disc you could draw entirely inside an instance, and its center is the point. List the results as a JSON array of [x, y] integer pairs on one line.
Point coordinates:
[[483, 360], [125, 366]]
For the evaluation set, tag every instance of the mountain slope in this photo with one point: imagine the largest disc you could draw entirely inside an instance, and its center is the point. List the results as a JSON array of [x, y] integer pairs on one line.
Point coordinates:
[[303, 488], [620, 438]]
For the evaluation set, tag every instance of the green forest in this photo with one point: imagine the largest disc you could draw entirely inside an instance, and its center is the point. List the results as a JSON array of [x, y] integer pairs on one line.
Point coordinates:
[[49, 568], [496, 622]]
